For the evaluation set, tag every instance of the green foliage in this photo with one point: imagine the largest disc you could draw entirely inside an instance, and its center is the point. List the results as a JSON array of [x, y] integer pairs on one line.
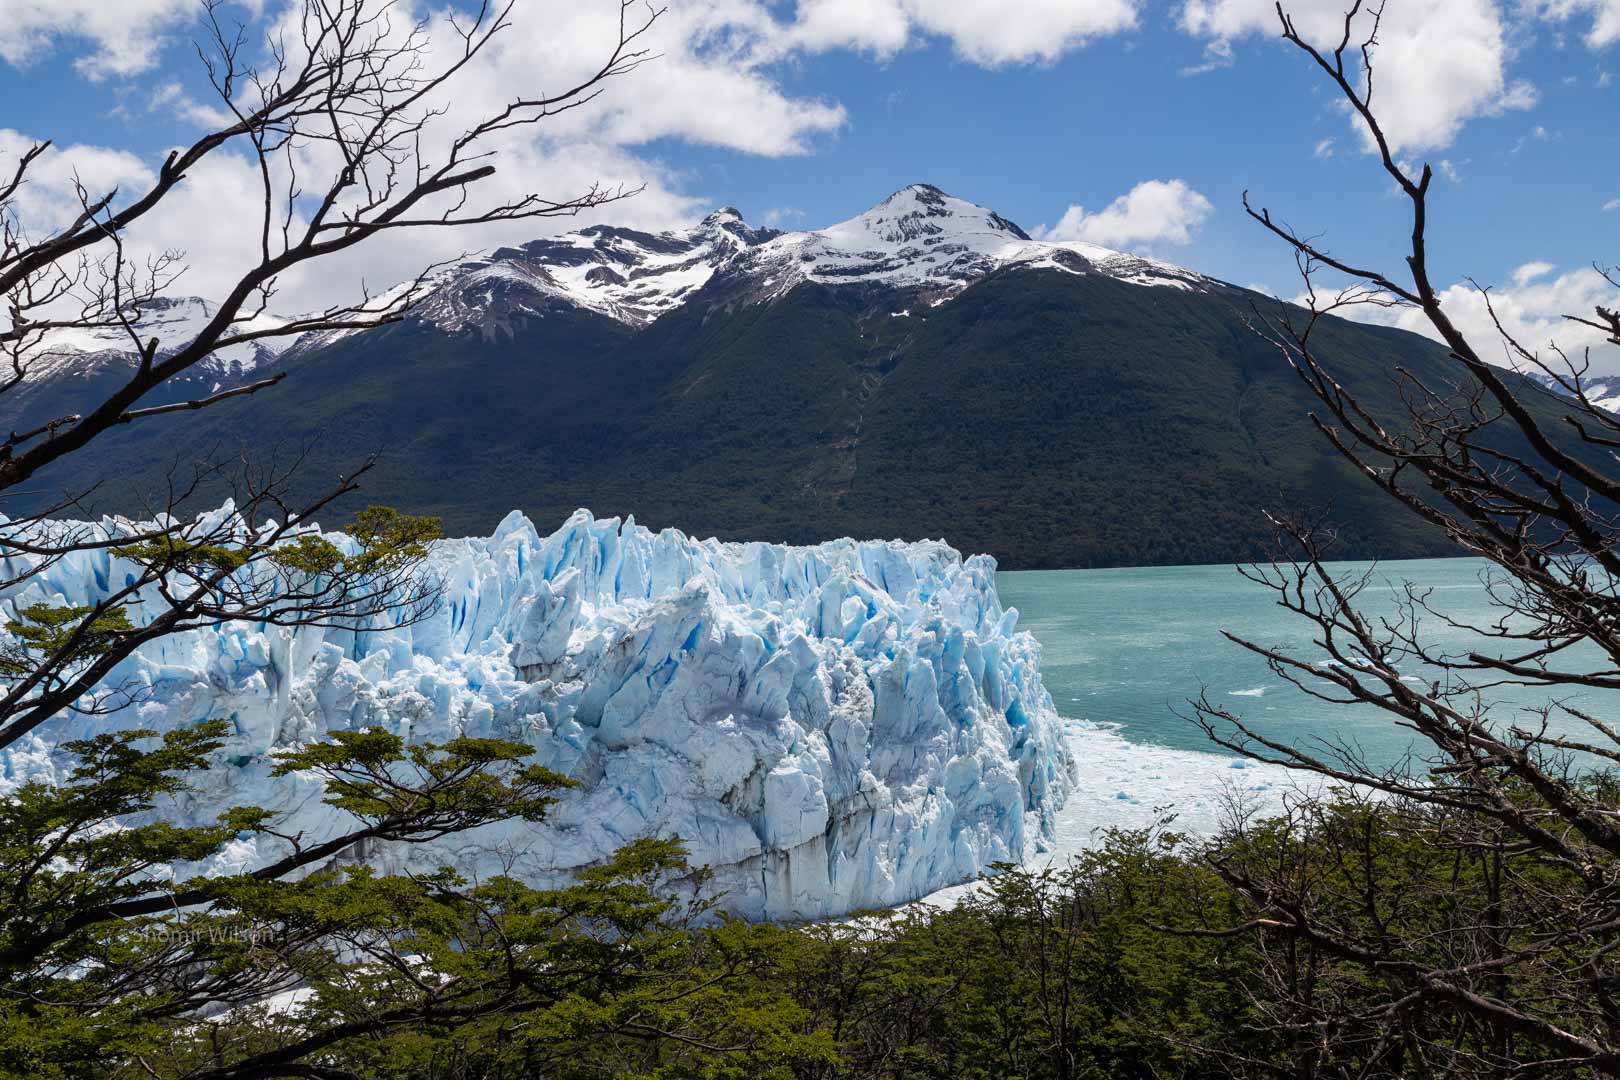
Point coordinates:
[[106, 960], [55, 840], [456, 778], [387, 537], [44, 630], [1140, 959], [176, 552], [387, 541], [1054, 973]]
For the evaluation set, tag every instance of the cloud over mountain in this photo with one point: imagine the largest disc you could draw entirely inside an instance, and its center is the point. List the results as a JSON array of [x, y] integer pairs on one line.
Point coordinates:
[[1152, 212]]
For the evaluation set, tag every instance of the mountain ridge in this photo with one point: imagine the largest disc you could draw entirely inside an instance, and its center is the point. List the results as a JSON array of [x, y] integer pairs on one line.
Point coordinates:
[[918, 237], [1112, 411]]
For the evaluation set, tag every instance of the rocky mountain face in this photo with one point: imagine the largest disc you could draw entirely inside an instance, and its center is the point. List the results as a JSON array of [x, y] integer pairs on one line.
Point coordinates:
[[919, 239], [1601, 390], [924, 369], [629, 276], [173, 321]]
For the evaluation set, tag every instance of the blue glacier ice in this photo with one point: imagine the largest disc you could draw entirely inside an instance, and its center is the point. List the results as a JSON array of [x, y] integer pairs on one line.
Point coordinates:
[[829, 728]]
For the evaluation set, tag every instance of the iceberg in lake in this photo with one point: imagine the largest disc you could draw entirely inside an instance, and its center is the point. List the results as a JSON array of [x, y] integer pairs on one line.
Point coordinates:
[[828, 728]]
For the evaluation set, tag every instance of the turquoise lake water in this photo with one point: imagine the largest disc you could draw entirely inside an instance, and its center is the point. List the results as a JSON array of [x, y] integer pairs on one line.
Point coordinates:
[[1129, 647]]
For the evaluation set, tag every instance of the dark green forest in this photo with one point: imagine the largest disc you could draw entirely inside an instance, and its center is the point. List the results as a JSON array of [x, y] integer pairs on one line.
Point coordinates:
[[1046, 418], [1343, 939]]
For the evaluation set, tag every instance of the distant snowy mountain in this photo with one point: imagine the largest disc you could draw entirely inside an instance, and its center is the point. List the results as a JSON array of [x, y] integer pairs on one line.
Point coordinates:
[[1601, 390], [919, 238], [174, 321], [924, 369], [633, 277]]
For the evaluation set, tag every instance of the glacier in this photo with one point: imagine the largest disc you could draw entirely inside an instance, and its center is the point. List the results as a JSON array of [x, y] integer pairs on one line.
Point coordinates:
[[828, 728]]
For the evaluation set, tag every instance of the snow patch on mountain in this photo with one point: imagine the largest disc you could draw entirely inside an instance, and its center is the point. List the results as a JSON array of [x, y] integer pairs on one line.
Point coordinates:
[[830, 728], [630, 276], [918, 238], [1603, 391], [174, 322]]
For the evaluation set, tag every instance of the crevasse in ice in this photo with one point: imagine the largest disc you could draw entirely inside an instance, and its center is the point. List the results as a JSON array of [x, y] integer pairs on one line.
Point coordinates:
[[828, 728]]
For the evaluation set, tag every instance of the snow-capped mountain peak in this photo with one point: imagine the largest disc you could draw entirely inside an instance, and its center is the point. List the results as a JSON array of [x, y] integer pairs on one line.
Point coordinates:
[[1601, 390], [920, 213], [174, 321], [626, 274], [922, 238], [919, 238]]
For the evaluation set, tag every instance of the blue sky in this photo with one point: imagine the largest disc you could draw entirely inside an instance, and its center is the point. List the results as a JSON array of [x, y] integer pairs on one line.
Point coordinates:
[[1029, 141], [824, 108]]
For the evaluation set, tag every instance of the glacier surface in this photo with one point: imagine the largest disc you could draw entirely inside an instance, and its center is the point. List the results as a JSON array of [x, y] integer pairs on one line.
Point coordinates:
[[829, 728]]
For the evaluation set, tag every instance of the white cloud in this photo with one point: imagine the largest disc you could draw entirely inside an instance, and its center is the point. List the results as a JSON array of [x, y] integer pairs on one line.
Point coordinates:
[[717, 78], [1532, 309], [173, 98], [782, 217], [881, 27], [1152, 212], [1438, 64], [990, 33], [1324, 149], [1218, 55], [1605, 16], [211, 218], [1536, 134], [224, 188], [1611, 205], [555, 167], [714, 81], [1520, 95], [1530, 271], [722, 78], [46, 200], [1012, 31], [123, 37]]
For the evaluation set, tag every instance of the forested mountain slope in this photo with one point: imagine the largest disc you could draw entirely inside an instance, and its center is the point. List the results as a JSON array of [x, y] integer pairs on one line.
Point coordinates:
[[1053, 405]]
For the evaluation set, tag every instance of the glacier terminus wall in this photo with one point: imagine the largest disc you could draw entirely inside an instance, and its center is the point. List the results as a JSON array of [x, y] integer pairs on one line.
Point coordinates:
[[829, 728]]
